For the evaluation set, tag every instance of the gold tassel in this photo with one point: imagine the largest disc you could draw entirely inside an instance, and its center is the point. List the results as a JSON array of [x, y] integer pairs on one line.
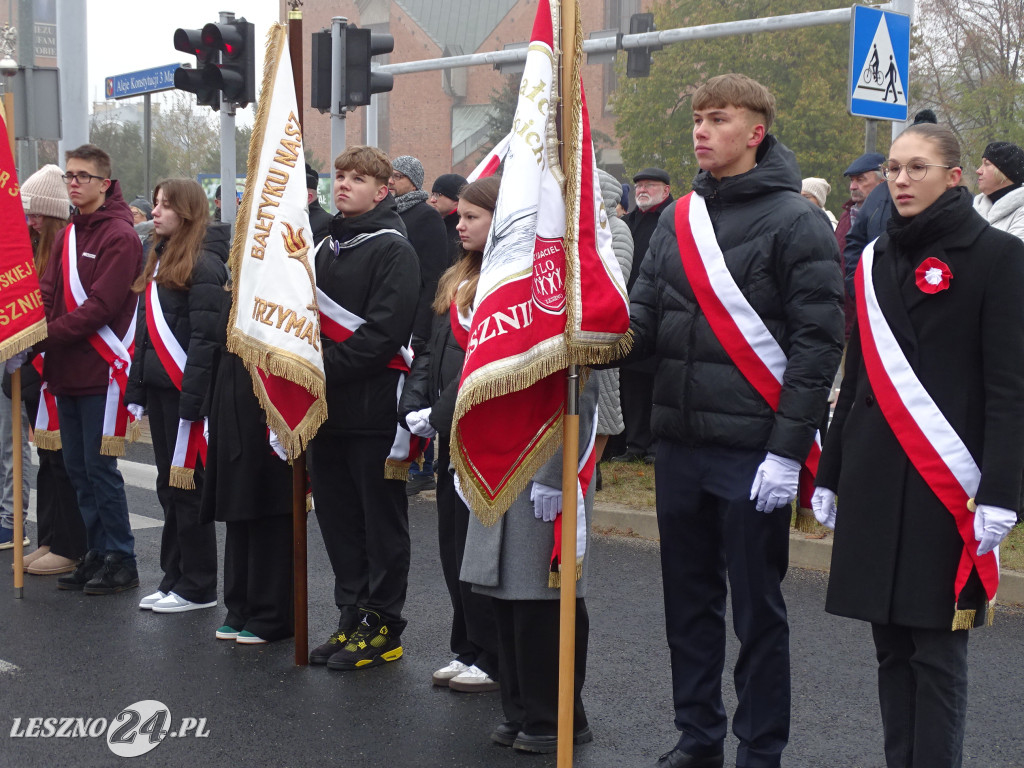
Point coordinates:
[[309, 502], [112, 445], [805, 521], [47, 439], [963, 619], [182, 477], [133, 432], [555, 577], [396, 470], [990, 613]]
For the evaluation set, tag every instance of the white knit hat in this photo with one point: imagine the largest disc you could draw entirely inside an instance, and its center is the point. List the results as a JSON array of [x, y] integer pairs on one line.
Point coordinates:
[[817, 188], [45, 194]]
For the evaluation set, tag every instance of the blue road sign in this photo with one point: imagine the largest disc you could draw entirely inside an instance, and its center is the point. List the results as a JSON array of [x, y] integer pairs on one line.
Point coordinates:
[[879, 64], [141, 82]]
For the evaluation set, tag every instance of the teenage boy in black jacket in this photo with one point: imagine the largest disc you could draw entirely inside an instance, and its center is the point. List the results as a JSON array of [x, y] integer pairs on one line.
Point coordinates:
[[369, 268]]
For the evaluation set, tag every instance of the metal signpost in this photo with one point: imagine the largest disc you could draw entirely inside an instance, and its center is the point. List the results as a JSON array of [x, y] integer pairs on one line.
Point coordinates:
[[879, 64], [144, 82]]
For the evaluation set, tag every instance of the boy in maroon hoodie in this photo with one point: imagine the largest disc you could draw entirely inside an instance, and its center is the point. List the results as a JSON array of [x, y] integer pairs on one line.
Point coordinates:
[[82, 321]]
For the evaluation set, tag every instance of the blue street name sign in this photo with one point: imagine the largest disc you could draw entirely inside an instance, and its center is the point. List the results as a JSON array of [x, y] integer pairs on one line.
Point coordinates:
[[879, 64], [141, 82]]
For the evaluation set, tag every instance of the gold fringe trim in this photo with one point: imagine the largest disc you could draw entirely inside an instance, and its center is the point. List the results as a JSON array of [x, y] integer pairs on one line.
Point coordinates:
[[396, 470], [309, 502], [182, 477], [805, 521], [555, 577], [22, 340], [964, 619], [47, 440], [134, 431], [112, 445], [990, 612]]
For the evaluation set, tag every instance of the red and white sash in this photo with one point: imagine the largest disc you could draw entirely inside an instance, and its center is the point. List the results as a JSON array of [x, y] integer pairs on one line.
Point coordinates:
[[924, 433], [736, 325], [191, 442], [586, 468], [338, 324], [118, 424], [46, 433]]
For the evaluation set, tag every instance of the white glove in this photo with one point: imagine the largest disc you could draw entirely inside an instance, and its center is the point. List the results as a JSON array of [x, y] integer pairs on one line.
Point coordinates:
[[823, 504], [775, 483], [135, 410], [276, 445], [419, 423], [547, 502], [206, 430], [17, 361], [991, 524]]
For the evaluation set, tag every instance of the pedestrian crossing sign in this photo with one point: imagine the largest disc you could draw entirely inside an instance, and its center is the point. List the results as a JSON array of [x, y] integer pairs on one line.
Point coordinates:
[[879, 63]]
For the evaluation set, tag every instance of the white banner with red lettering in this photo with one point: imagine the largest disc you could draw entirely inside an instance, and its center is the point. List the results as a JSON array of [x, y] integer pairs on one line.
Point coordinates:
[[274, 324], [926, 436], [509, 409]]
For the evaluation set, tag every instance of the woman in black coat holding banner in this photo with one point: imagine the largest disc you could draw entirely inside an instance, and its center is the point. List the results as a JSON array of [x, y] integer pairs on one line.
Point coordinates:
[[924, 452]]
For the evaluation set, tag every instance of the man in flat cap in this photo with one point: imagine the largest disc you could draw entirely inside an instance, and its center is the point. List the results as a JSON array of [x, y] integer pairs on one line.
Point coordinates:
[[636, 381]]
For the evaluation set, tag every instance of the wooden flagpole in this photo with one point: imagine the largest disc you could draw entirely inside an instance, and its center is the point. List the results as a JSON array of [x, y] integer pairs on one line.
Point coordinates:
[[300, 589], [570, 426]]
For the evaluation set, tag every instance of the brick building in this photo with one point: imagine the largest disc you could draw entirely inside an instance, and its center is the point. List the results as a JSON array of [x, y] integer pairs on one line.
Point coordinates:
[[441, 117]]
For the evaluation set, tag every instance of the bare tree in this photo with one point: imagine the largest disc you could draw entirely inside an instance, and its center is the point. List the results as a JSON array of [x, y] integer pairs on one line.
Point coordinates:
[[189, 136], [969, 65]]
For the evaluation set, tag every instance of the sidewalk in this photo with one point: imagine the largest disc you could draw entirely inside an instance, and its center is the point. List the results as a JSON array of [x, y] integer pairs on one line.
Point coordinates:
[[805, 551]]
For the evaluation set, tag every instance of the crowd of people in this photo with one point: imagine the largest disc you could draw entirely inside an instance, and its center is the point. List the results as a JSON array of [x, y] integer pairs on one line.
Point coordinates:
[[745, 295]]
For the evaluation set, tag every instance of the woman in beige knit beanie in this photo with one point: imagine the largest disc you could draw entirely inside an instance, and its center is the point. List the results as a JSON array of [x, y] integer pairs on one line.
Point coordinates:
[[44, 197], [816, 190]]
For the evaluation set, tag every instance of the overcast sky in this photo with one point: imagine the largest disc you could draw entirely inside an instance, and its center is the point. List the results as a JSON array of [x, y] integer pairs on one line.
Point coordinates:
[[126, 38]]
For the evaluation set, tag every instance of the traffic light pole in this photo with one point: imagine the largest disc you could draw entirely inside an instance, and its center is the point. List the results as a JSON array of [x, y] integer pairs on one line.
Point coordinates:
[[338, 24], [228, 200]]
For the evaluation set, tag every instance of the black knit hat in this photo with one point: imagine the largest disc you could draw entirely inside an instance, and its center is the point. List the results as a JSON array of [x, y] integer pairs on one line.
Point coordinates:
[[449, 185], [1008, 158], [312, 177]]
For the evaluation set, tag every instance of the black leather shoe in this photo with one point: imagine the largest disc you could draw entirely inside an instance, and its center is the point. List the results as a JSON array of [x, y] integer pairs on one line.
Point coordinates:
[[118, 574], [677, 758], [505, 734], [88, 566], [524, 742], [625, 458]]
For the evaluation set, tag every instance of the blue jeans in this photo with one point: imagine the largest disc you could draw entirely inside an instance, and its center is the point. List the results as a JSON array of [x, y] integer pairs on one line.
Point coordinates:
[[7, 463], [96, 478]]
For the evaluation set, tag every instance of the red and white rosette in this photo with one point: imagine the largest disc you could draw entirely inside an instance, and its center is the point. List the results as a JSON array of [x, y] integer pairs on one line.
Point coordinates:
[[933, 275]]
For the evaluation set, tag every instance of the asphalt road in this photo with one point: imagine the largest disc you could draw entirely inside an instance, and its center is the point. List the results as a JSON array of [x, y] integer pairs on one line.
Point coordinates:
[[67, 655]]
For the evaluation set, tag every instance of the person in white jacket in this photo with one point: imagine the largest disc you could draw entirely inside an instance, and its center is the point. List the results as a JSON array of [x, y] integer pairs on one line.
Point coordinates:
[[1000, 177]]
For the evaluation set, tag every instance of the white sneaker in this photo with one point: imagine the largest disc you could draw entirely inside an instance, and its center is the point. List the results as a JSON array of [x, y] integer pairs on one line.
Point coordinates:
[[149, 601], [473, 680], [444, 674], [174, 603]]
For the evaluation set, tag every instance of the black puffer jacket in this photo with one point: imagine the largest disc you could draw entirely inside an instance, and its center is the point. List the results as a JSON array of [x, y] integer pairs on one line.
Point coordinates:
[[192, 316], [429, 239], [434, 380], [378, 279], [783, 255]]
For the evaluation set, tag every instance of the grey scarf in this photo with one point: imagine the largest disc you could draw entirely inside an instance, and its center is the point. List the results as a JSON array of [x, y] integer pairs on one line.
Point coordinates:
[[409, 199]]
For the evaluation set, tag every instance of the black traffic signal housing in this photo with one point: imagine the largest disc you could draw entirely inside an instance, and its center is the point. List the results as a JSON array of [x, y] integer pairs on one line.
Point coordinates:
[[198, 80], [638, 60], [360, 82], [320, 80], [235, 75]]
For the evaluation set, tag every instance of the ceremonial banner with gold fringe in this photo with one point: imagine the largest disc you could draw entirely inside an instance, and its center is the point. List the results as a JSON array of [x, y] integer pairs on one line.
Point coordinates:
[[22, 317], [274, 324], [521, 337]]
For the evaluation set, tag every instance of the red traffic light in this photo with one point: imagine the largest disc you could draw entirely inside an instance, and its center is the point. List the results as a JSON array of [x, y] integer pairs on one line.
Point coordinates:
[[224, 37]]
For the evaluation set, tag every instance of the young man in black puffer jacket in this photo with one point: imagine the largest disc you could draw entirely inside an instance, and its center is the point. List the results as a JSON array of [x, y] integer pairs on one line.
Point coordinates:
[[368, 267], [728, 460]]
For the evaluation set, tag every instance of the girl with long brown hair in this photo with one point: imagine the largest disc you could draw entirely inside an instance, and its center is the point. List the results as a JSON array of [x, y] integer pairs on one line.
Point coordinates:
[[176, 343]]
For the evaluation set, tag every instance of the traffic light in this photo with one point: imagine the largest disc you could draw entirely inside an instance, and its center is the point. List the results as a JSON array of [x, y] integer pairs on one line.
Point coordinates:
[[320, 72], [196, 80], [638, 60], [360, 83], [235, 75]]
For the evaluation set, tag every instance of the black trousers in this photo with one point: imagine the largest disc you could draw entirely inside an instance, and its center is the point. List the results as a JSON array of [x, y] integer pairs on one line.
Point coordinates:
[[364, 519], [922, 690], [710, 529], [258, 576], [474, 637], [636, 393], [188, 547], [60, 524], [528, 652]]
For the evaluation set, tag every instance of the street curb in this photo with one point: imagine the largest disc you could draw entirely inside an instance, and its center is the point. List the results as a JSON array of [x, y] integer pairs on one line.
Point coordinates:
[[804, 551]]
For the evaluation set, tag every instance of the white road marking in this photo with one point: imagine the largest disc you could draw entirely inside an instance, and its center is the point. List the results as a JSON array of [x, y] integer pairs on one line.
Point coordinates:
[[7, 667]]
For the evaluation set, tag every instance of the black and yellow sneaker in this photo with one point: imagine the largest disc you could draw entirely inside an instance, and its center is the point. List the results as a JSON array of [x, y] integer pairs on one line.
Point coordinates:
[[370, 645], [322, 653]]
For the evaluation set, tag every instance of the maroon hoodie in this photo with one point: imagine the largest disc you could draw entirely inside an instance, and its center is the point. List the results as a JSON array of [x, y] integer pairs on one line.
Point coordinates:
[[109, 260]]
